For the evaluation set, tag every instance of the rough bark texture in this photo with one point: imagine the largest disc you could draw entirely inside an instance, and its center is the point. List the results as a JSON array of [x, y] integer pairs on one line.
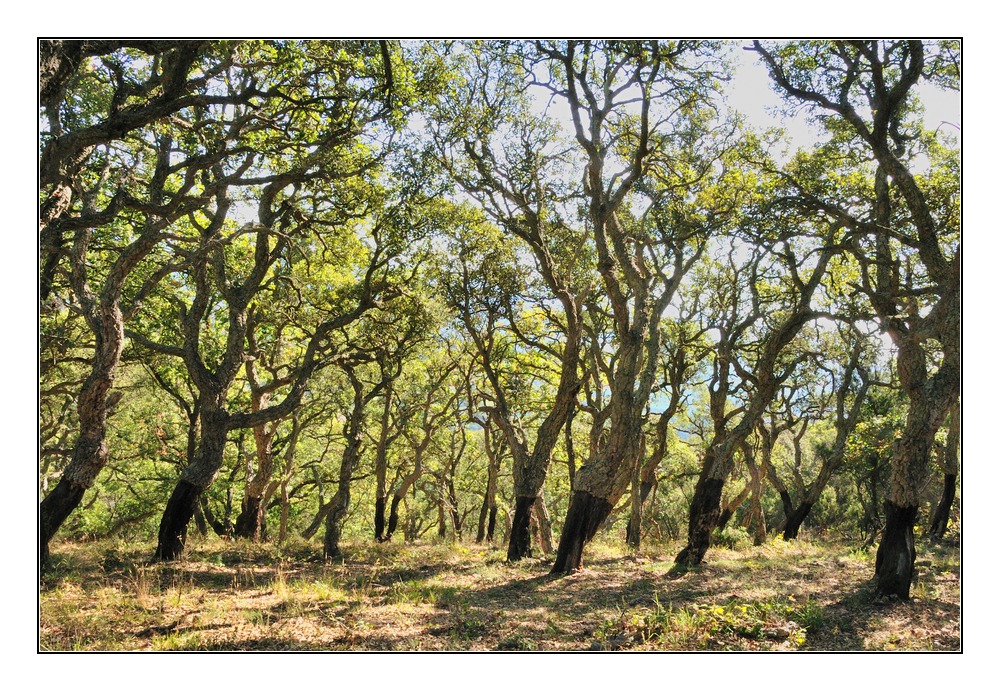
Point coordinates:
[[702, 519], [198, 475], [585, 515], [634, 528], [896, 553]]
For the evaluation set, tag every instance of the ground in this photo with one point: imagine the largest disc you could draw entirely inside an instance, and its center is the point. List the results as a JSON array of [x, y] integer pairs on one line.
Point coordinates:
[[807, 595]]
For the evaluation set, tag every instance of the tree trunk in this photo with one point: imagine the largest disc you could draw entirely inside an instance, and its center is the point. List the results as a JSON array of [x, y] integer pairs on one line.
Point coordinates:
[[940, 523], [53, 511], [318, 520], [702, 519], [584, 516], [174, 523], [393, 517], [795, 519], [251, 524], [90, 453], [930, 400], [382, 466], [896, 553], [634, 528], [199, 520], [491, 525], [192, 483], [380, 519], [755, 521], [541, 520], [519, 545]]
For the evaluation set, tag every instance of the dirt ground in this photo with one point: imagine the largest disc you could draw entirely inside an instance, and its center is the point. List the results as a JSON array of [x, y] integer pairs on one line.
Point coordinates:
[[807, 595]]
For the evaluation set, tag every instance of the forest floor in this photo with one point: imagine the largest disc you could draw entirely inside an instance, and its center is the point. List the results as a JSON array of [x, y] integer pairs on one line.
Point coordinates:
[[805, 595]]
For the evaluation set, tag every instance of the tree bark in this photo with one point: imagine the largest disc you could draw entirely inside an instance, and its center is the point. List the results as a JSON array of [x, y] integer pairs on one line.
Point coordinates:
[[59, 503], [176, 516], [634, 527], [794, 520], [251, 524], [896, 553], [584, 516], [194, 479], [519, 545], [702, 519], [939, 525], [380, 519], [542, 524]]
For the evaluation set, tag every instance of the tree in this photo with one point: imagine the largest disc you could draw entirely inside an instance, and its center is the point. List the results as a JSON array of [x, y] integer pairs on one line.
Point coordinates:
[[508, 159], [617, 93], [765, 301], [138, 155], [904, 235]]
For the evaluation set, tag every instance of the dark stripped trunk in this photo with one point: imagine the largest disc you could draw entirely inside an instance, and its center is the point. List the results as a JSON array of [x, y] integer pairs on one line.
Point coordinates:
[[519, 545], [795, 519], [896, 553], [176, 516], [702, 519], [491, 525], [251, 524], [939, 526], [192, 483], [53, 511], [393, 517], [585, 515], [380, 519]]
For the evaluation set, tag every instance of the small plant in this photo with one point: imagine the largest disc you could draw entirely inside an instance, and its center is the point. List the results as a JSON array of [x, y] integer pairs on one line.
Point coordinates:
[[734, 538]]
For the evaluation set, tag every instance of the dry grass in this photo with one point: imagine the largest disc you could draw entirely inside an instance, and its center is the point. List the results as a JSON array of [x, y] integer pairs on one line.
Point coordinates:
[[228, 596]]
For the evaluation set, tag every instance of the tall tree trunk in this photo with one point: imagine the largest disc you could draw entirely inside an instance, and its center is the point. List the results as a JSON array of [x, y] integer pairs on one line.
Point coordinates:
[[382, 466], [342, 499], [794, 520], [755, 521], [488, 512]]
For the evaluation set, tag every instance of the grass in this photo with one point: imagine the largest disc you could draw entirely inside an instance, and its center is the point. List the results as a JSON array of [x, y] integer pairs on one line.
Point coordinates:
[[233, 596]]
